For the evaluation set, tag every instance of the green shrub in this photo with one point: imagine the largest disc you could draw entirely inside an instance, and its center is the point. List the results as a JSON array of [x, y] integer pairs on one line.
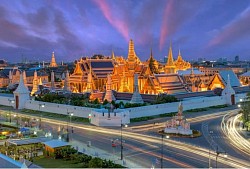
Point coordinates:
[[168, 114], [162, 98], [197, 110], [95, 163], [218, 106], [142, 119]]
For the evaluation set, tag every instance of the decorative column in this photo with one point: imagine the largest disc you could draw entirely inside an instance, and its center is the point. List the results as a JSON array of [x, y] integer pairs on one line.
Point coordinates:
[[21, 94], [35, 84], [66, 82], [109, 93], [136, 98], [24, 78], [89, 81], [52, 87]]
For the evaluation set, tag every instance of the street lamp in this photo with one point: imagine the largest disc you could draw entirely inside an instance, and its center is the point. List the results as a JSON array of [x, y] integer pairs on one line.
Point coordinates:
[[40, 123], [16, 116], [218, 153], [162, 144], [209, 161], [70, 114], [122, 125], [10, 102]]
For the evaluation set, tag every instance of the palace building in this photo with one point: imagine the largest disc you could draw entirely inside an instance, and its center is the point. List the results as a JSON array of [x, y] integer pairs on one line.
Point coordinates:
[[90, 74]]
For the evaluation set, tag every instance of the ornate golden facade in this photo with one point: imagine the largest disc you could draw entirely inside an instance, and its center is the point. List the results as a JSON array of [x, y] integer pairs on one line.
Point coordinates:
[[91, 74]]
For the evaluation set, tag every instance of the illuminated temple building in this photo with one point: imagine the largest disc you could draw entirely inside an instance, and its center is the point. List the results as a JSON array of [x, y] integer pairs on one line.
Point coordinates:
[[90, 74]]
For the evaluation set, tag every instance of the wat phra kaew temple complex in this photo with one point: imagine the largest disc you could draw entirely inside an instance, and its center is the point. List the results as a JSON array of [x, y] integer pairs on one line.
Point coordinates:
[[173, 77], [153, 77], [118, 78]]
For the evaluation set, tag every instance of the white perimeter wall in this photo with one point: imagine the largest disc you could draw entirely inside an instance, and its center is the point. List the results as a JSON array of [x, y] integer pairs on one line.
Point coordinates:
[[191, 103], [4, 100], [59, 108]]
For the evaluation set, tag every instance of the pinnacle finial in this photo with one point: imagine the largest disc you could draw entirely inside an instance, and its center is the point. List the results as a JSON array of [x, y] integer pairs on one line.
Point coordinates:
[[151, 53]]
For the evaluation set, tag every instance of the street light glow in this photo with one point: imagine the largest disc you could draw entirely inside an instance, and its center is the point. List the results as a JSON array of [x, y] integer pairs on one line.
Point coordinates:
[[239, 105]]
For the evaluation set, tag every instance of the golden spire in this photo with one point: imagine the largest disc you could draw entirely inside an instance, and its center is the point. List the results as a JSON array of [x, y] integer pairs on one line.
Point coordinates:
[[132, 58], [151, 54], [170, 66], [179, 58], [170, 61], [131, 50], [113, 55], [53, 60]]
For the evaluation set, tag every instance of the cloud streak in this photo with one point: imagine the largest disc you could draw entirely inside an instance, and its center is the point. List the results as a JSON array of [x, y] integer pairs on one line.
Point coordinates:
[[176, 13], [238, 28], [117, 23], [78, 28]]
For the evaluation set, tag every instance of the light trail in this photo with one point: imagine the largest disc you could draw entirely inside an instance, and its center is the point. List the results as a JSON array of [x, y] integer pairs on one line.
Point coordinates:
[[179, 163], [203, 152], [228, 126], [147, 127]]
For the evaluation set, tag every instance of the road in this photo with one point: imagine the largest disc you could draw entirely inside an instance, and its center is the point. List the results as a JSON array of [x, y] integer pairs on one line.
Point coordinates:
[[142, 149]]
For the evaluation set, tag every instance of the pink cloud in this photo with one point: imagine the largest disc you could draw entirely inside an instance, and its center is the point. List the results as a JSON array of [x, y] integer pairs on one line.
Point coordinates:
[[117, 23], [176, 13], [164, 29], [234, 30]]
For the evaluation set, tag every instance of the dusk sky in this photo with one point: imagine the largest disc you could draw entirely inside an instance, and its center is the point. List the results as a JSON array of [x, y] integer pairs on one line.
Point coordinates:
[[74, 28]]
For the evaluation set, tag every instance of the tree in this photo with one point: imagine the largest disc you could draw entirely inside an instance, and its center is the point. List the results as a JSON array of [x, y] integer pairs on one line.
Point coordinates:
[[95, 163], [105, 102], [246, 110], [152, 66]]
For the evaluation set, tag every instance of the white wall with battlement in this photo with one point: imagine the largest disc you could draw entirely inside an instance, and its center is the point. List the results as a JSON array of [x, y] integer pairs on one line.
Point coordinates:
[[5, 100], [59, 108], [190, 103]]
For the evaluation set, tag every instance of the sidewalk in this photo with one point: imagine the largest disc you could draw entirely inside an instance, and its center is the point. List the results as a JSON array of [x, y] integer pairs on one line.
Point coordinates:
[[96, 152]]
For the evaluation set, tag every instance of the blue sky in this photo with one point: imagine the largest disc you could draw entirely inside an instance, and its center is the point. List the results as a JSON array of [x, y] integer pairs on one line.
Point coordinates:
[[74, 28]]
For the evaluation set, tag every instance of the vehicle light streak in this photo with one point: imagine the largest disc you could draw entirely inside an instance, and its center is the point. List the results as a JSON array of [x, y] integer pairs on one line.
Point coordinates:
[[228, 126], [230, 161]]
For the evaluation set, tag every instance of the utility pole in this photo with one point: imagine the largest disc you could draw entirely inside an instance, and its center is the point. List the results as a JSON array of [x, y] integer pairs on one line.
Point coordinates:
[[162, 150]]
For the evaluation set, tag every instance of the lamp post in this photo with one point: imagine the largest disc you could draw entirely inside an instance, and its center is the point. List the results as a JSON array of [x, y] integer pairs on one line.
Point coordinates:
[[40, 121], [10, 102], [70, 114], [209, 161], [218, 153], [122, 137], [16, 116], [162, 144]]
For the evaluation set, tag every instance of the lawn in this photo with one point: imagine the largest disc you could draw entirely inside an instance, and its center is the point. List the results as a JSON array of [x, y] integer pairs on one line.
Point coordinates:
[[55, 163]]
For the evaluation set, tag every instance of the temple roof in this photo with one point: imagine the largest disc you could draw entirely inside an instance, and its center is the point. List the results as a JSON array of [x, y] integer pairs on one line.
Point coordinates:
[[188, 72], [7, 162], [171, 83], [30, 73], [105, 64], [246, 74], [233, 78]]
